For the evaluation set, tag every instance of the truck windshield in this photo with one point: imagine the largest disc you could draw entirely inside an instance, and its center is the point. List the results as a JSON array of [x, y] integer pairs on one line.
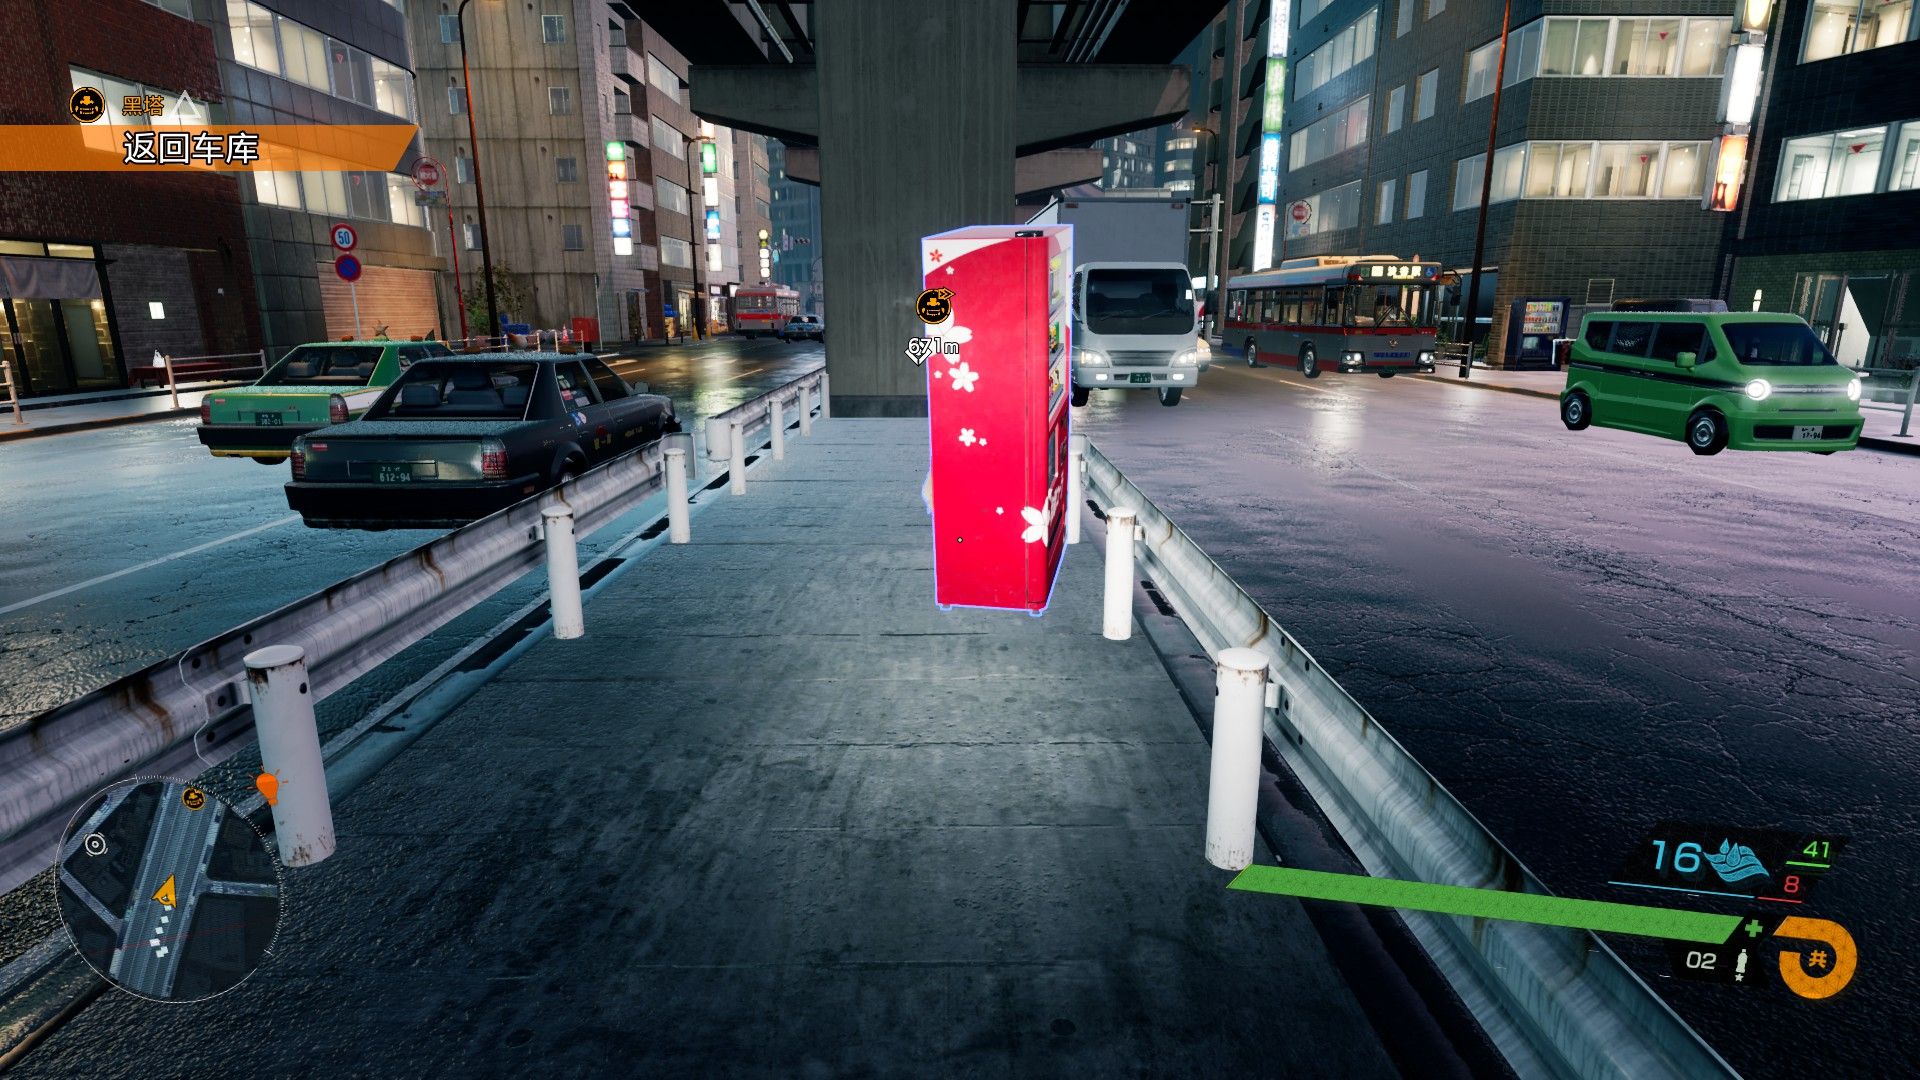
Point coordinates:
[[458, 390], [1409, 306], [1777, 344], [1139, 302], [325, 365]]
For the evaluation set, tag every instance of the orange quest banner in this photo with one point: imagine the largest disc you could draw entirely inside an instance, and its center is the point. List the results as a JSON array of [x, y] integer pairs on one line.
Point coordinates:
[[204, 148]]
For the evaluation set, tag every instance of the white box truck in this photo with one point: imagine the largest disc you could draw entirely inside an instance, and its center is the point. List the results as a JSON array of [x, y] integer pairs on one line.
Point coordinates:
[[1135, 324]]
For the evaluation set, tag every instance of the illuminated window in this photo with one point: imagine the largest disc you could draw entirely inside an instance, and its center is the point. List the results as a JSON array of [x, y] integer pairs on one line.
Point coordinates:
[[250, 28], [1329, 135], [277, 189], [1625, 170], [1839, 27], [1509, 166], [1559, 170], [1834, 164]]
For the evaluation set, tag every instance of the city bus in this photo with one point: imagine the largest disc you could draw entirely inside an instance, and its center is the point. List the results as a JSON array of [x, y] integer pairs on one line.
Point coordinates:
[[1336, 313], [763, 309]]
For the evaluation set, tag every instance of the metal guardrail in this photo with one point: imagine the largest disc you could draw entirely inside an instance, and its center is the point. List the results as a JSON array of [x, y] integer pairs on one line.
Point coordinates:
[[1570, 1001], [1903, 396], [258, 367], [191, 709]]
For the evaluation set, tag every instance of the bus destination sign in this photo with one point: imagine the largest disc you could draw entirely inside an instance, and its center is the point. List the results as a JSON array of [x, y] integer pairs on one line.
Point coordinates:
[[1391, 272]]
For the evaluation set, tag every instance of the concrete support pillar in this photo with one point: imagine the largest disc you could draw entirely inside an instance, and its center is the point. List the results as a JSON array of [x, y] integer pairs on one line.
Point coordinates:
[[917, 135]]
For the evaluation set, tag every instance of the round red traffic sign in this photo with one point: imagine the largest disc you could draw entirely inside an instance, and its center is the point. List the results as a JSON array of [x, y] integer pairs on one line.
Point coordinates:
[[347, 267], [427, 173], [344, 237], [1300, 211]]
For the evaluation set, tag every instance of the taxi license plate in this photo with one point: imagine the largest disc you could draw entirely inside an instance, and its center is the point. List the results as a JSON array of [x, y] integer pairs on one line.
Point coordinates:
[[268, 419], [1809, 431], [393, 473], [1140, 376]]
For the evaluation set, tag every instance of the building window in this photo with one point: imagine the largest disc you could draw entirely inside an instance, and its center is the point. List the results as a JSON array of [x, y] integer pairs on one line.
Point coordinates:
[[1352, 45], [1383, 210], [1396, 108], [449, 29], [1184, 143], [1335, 208], [1509, 166], [1435, 7], [250, 27], [405, 208], [1575, 47], [456, 99], [1523, 61], [676, 252], [1681, 173], [669, 195], [1906, 159], [1646, 47], [277, 189], [179, 7], [667, 137], [662, 77], [1661, 48], [622, 103], [470, 236], [553, 29], [462, 166], [1425, 89], [1839, 27], [1559, 170], [1329, 135], [1836, 163], [573, 238], [566, 170], [560, 100], [1310, 8], [1403, 17], [303, 54], [1625, 170], [1416, 194]]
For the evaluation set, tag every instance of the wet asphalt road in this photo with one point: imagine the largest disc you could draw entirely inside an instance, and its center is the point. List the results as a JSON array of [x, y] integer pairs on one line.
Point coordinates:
[[83, 506], [1583, 634]]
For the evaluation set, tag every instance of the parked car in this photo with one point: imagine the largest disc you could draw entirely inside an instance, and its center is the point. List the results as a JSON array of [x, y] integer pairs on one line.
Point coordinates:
[[455, 439], [804, 326], [1746, 380], [311, 387]]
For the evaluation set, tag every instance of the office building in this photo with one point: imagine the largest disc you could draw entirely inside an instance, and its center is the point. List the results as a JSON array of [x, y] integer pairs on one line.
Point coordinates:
[[796, 233], [99, 270], [1828, 224], [328, 62]]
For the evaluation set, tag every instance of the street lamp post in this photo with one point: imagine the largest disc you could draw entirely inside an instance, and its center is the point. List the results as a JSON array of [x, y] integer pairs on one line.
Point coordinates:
[[1468, 318], [479, 189], [696, 230], [1214, 274]]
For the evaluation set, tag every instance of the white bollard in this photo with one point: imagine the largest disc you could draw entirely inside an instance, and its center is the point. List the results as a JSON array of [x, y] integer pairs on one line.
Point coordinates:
[[826, 397], [806, 410], [717, 438], [1117, 620], [678, 531], [778, 423], [737, 458], [1233, 790], [1076, 461], [563, 572], [290, 751]]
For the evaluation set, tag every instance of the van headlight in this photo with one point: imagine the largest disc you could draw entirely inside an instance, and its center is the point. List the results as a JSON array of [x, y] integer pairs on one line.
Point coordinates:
[[1853, 390], [1186, 358], [1759, 389], [1090, 358]]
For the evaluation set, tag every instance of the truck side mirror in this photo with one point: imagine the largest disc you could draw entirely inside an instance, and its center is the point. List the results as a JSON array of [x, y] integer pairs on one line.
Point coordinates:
[[1685, 359]]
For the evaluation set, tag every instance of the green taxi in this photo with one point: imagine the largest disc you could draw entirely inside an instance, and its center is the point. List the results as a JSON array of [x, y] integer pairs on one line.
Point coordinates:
[[311, 387], [1747, 380]]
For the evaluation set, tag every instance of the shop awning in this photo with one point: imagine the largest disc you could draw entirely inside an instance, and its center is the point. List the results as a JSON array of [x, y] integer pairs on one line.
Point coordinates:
[[29, 278]]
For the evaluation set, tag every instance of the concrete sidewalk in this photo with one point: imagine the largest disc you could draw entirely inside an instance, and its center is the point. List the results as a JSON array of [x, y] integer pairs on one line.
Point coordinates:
[[1879, 430], [776, 815], [134, 408]]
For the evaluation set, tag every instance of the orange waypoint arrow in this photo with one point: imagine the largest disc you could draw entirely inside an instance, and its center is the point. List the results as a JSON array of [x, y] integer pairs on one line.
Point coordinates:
[[164, 894]]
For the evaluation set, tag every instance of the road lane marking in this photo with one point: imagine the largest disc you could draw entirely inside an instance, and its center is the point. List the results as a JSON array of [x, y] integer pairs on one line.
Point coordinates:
[[148, 565]]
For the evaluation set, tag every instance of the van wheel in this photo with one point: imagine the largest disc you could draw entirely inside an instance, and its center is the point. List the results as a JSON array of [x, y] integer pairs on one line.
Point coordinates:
[[1576, 411], [1253, 354], [271, 460], [1170, 395], [1309, 363], [1706, 432], [1081, 394]]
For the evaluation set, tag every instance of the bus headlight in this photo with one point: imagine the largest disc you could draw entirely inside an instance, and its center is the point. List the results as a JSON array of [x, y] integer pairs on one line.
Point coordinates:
[[1089, 358], [1853, 390], [1186, 358], [1426, 358], [1353, 358], [1759, 389]]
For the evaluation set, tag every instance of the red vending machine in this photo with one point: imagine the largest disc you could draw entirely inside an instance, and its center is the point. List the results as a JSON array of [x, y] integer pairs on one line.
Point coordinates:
[[996, 308]]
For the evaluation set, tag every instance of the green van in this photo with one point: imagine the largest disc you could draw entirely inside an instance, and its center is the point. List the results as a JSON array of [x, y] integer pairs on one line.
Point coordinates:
[[311, 387], [1749, 380]]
